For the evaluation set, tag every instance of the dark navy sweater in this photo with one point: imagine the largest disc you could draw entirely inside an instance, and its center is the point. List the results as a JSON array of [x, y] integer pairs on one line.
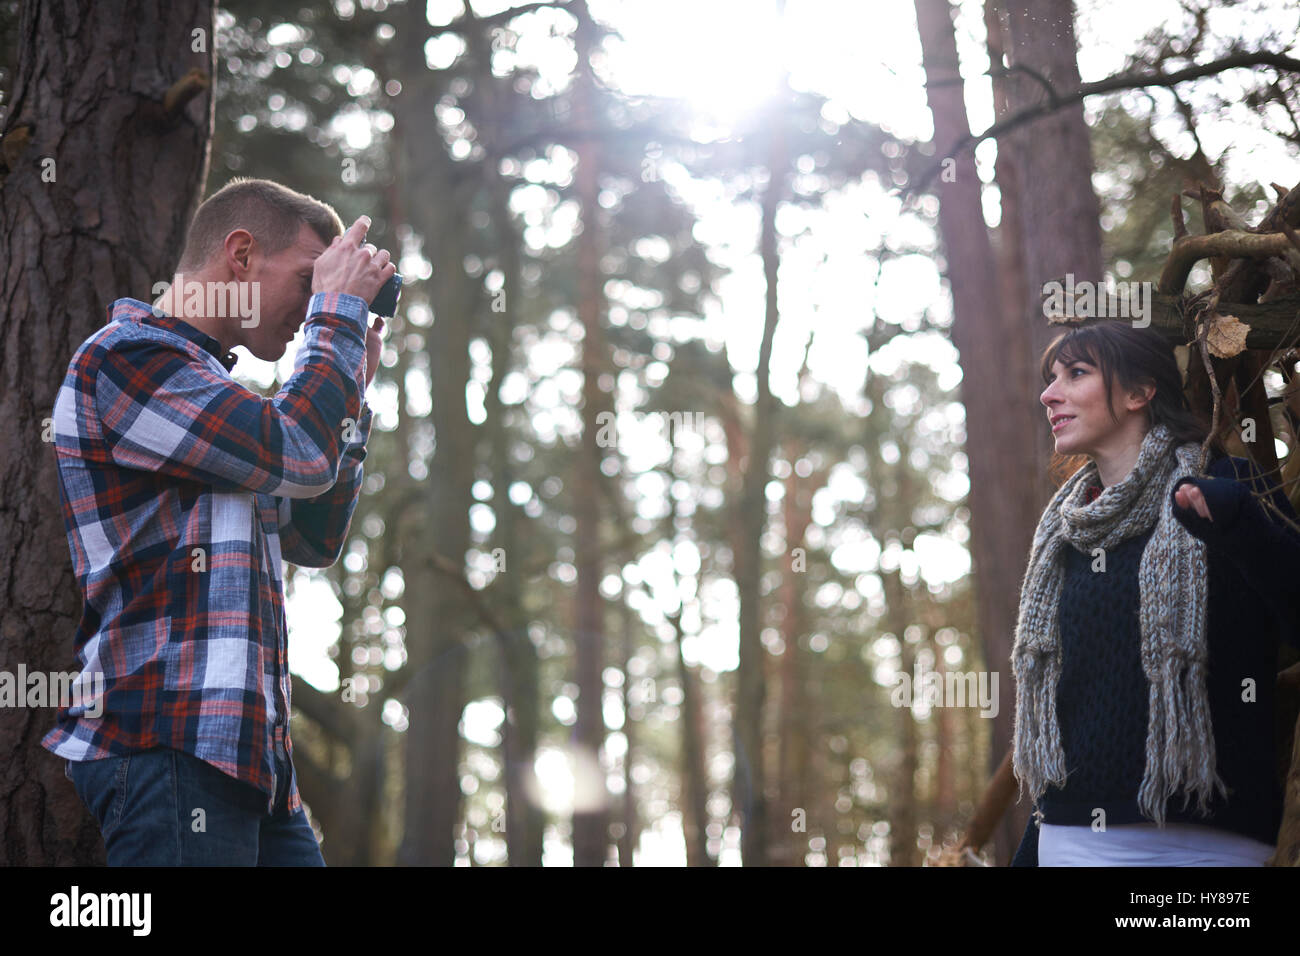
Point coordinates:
[[1102, 706]]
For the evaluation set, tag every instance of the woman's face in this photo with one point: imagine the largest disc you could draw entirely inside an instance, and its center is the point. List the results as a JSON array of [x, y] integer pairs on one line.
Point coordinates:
[[1076, 409]]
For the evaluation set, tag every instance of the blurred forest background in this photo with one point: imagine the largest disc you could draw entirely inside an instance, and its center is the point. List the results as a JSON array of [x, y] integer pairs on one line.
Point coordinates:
[[711, 405]]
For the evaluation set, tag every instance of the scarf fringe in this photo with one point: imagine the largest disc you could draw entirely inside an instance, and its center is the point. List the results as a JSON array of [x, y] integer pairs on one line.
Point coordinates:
[[1037, 758], [1171, 730]]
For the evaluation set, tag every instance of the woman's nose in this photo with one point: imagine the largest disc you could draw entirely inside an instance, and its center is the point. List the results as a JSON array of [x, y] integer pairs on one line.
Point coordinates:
[[1048, 396]]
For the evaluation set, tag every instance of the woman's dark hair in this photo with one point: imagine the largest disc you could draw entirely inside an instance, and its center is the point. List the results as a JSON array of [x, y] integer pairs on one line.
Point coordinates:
[[1135, 357]]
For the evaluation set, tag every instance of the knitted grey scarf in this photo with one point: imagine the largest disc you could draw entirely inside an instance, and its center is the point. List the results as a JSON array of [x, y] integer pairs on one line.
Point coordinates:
[[1172, 583]]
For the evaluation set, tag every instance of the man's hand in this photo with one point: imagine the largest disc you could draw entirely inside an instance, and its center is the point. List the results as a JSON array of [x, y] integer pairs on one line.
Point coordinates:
[[374, 346], [349, 267]]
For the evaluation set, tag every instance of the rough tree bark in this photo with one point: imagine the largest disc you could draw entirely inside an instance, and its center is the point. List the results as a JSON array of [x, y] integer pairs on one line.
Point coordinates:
[[1060, 218], [105, 153]]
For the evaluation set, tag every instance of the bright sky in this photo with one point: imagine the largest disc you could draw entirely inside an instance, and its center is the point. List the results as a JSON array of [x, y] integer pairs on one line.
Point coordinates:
[[725, 56]]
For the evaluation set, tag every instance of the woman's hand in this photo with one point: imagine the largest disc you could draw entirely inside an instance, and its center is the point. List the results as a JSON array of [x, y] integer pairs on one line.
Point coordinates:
[[1189, 496]]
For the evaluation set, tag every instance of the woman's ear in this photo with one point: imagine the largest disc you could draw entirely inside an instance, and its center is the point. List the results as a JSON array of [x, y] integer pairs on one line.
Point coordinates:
[[1140, 397]]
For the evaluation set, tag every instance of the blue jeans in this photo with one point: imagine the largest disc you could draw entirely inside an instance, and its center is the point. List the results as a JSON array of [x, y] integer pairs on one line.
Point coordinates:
[[147, 806]]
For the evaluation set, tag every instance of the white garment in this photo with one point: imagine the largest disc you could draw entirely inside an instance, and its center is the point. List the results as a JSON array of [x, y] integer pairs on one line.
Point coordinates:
[[1145, 844]]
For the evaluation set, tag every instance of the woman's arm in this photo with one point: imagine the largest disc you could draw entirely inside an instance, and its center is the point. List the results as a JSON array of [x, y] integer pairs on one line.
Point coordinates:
[[1259, 544]]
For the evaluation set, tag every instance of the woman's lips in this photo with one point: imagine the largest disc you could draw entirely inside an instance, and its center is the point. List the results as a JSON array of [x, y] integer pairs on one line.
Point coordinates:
[[1062, 423]]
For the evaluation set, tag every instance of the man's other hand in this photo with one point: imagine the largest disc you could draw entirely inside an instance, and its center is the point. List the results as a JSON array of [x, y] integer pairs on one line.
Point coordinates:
[[374, 347]]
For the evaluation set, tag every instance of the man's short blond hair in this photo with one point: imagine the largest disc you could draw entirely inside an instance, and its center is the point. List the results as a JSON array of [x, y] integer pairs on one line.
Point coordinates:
[[272, 213]]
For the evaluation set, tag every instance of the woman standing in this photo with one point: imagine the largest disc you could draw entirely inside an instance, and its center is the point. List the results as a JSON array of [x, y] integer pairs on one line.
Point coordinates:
[[1146, 649]]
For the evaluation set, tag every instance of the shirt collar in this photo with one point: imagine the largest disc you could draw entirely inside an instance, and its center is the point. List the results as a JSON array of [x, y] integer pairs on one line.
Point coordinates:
[[136, 311]]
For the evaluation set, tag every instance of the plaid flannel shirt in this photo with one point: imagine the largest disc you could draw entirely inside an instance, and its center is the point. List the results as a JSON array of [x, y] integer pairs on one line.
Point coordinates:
[[181, 492]]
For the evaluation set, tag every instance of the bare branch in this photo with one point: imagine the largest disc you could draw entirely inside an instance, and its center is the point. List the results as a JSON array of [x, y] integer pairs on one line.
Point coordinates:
[[1180, 225], [1122, 81], [470, 19], [1052, 96], [1231, 243]]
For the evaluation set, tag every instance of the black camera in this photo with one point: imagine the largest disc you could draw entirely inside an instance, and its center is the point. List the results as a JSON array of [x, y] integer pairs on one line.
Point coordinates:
[[385, 303]]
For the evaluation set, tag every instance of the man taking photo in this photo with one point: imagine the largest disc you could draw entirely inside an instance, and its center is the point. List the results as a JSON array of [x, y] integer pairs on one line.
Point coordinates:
[[182, 493]]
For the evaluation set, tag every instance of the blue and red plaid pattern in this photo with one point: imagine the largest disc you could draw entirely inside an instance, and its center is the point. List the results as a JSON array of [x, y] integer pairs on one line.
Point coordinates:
[[182, 491]]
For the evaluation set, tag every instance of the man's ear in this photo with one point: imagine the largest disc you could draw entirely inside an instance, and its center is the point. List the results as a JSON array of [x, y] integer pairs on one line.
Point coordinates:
[[239, 247]]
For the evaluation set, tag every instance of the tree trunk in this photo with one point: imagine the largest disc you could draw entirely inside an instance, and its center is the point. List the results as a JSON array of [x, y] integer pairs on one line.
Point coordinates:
[[1060, 223], [749, 793], [695, 784], [105, 153], [519, 665], [590, 817], [944, 804], [438, 616], [903, 803], [627, 840], [788, 848], [348, 808], [519, 685], [1002, 525]]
